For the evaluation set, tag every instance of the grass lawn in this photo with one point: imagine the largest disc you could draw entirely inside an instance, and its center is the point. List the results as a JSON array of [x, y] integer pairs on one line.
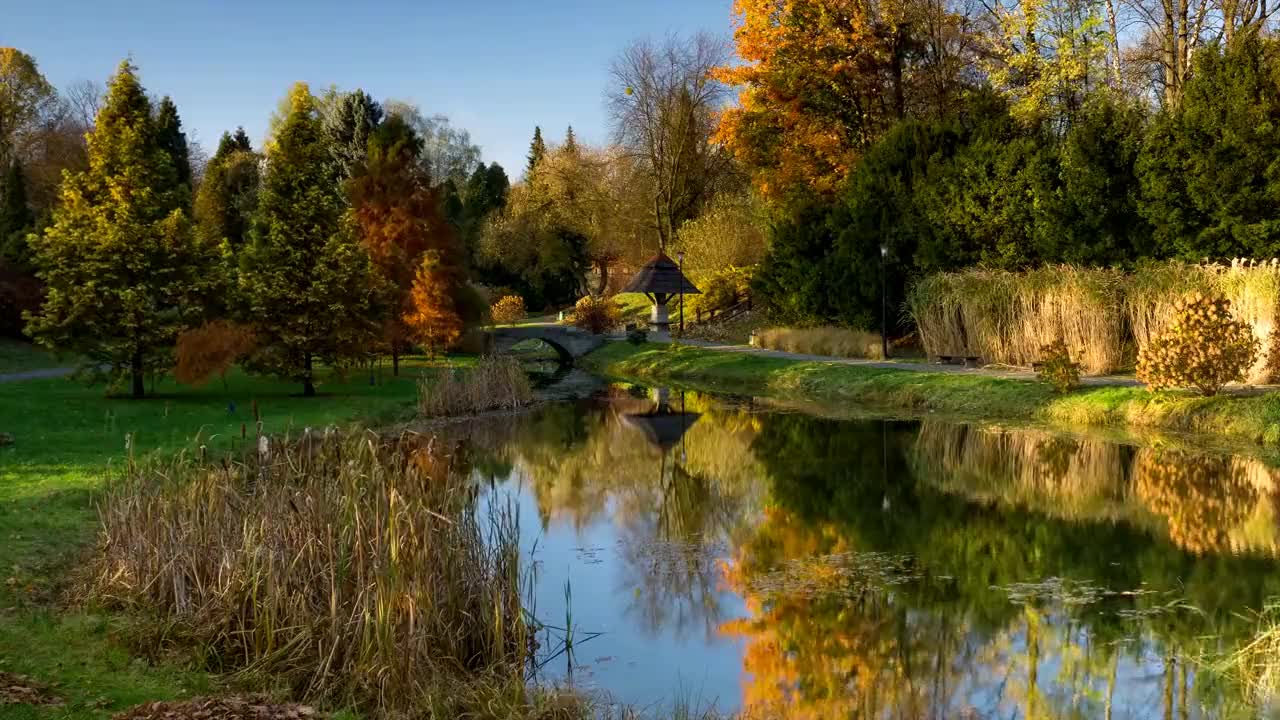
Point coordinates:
[[65, 438], [19, 356], [1226, 419]]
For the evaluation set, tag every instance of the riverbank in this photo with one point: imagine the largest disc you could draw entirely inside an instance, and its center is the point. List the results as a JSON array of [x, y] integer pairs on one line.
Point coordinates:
[[1234, 418]]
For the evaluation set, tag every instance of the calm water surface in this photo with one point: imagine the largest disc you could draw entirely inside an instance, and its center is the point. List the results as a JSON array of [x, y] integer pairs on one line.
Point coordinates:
[[754, 559]]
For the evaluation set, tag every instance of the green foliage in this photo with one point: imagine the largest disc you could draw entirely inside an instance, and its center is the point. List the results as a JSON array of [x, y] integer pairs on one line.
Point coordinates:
[[228, 193], [1056, 367], [307, 287], [172, 140], [1210, 180], [16, 218], [721, 290], [124, 271], [349, 120], [537, 151], [1205, 348]]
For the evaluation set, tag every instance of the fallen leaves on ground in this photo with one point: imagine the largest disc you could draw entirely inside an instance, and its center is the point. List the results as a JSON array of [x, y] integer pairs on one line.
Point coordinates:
[[19, 690], [236, 707]]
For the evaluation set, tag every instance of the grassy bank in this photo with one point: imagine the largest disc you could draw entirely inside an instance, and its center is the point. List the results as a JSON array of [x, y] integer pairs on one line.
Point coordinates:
[[65, 436], [1254, 419]]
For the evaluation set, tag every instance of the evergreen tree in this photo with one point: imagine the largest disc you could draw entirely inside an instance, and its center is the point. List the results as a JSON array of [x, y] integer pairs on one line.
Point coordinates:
[[16, 218], [308, 287], [173, 140], [570, 142], [349, 121], [537, 152], [123, 270], [497, 185], [228, 194]]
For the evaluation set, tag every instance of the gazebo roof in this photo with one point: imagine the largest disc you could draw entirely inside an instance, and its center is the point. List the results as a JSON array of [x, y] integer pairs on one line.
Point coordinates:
[[663, 430], [661, 275]]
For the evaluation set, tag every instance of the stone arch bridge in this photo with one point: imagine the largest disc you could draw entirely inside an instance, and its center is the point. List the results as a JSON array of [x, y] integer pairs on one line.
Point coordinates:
[[570, 343]]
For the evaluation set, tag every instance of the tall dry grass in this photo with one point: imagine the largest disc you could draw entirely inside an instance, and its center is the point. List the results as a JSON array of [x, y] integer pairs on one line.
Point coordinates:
[[835, 341], [495, 383], [351, 568], [1006, 317]]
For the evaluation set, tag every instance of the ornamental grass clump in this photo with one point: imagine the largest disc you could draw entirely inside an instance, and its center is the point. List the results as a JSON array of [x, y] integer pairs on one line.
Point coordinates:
[[348, 567], [1056, 367], [496, 383], [1204, 347]]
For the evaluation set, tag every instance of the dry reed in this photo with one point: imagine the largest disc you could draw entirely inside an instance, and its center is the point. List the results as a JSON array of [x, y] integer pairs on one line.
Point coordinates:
[[351, 568], [495, 383], [834, 341]]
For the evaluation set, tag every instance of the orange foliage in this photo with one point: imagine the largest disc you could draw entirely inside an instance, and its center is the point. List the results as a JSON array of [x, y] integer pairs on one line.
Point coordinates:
[[432, 318], [209, 350], [820, 80], [596, 315]]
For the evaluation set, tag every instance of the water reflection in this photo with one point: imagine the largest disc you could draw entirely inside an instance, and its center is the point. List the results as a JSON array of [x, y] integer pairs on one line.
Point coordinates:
[[812, 568]]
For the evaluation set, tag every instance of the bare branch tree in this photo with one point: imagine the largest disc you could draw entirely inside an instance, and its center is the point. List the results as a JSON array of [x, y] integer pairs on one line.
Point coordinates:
[[663, 104]]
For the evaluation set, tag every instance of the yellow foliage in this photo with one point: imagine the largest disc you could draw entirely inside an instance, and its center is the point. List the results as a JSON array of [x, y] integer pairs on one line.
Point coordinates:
[[508, 310], [596, 315]]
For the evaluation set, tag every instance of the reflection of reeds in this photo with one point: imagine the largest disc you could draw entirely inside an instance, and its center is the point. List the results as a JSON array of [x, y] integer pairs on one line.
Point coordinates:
[[347, 568], [496, 382], [1256, 666]]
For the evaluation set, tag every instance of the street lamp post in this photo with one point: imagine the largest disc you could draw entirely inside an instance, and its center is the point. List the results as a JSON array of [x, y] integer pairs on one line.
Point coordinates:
[[884, 305], [680, 262]]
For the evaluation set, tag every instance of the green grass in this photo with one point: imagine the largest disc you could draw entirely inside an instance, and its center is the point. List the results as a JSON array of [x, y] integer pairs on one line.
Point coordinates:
[[1227, 419], [19, 356], [65, 437]]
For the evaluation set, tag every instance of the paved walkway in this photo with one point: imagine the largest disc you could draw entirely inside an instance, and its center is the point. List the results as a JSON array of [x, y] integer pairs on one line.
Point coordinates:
[[1007, 373], [35, 374]]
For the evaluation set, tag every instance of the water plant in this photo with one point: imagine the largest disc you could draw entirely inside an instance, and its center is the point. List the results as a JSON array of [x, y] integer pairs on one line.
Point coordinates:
[[494, 383]]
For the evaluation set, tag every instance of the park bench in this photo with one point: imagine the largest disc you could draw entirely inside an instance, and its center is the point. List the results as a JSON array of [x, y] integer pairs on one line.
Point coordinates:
[[969, 361]]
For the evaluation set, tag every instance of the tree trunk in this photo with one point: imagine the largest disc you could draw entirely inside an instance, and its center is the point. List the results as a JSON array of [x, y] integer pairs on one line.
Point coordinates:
[[395, 359], [1115, 42], [602, 285], [308, 385], [135, 371]]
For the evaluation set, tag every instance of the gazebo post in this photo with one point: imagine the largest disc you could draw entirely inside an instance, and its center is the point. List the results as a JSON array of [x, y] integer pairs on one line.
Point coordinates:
[[659, 280]]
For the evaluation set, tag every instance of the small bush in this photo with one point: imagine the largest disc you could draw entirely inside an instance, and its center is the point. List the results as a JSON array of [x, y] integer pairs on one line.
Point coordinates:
[[209, 350], [839, 342], [509, 310], [720, 291], [596, 315], [1204, 348], [494, 383], [1056, 367], [638, 335]]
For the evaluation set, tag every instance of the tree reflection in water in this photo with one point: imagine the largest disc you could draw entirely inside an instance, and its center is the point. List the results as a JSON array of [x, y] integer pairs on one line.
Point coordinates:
[[905, 570]]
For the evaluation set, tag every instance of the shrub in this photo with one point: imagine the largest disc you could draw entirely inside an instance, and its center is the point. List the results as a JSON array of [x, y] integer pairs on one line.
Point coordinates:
[[1056, 367], [638, 335], [596, 315], [209, 350], [508, 310], [839, 342], [497, 382], [720, 291], [1204, 348]]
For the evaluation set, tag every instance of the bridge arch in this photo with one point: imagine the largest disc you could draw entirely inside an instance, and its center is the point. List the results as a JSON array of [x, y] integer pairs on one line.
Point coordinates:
[[569, 343]]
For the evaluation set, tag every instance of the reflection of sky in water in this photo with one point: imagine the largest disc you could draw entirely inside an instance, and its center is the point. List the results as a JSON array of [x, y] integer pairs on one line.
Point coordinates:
[[952, 635]]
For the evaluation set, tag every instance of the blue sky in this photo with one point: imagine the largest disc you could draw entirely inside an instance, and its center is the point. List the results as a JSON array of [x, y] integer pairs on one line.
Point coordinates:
[[495, 67]]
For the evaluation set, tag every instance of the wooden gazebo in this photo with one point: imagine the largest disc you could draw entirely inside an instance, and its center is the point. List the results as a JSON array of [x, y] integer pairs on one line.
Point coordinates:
[[660, 280]]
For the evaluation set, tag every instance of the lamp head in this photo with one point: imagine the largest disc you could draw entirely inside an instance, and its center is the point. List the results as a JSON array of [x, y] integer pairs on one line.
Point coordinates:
[[884, 251]]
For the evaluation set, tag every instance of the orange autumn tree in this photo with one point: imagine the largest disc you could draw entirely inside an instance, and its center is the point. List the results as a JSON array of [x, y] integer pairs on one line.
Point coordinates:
[[433, 318], [209, 350], [821, 80], [399, 219]]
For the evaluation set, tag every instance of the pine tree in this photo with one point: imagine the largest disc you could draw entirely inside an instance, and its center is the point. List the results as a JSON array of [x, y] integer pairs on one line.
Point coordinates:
[[349, 120], [123, 269], [173, 140], [307, 286], [570, 142], [16, 219], [537, 152], [228, 194]]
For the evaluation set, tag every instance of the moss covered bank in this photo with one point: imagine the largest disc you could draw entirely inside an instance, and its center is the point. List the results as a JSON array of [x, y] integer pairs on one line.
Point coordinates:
[[1232, 418]]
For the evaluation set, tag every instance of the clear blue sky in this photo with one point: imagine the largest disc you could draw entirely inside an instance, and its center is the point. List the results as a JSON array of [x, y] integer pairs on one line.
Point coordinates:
[[495, 67]]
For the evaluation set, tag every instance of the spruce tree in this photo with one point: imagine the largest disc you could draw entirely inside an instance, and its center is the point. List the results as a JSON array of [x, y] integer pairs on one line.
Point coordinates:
[[349, 120], [16, 219], [537, 152], [307, 286], [228, 194], [570, 142], [123, 270], [173, 140]]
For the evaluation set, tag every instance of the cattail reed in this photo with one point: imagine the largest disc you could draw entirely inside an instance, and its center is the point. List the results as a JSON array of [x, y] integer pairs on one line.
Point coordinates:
[[496, 383]]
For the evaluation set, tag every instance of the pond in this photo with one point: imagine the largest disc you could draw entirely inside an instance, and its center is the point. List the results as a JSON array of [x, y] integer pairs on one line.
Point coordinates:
[[749, 558]]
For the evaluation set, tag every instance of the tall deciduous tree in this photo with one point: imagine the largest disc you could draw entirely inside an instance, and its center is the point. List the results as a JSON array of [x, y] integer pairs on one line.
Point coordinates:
[[663, 103], [124, 271], [26, 98], [308, 287], [448, 154], [173, 140], [400, 218], [228, 193]]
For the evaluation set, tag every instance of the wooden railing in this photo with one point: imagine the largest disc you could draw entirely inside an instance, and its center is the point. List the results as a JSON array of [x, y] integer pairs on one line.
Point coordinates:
[[740, 305]]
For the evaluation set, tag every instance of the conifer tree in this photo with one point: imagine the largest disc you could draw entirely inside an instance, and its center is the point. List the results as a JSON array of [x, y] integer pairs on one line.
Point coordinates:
[[537, 151], [228, 194], [349, 120], [307, 286], [16, 219], [123, 270], [173, 140], [570, 142]]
